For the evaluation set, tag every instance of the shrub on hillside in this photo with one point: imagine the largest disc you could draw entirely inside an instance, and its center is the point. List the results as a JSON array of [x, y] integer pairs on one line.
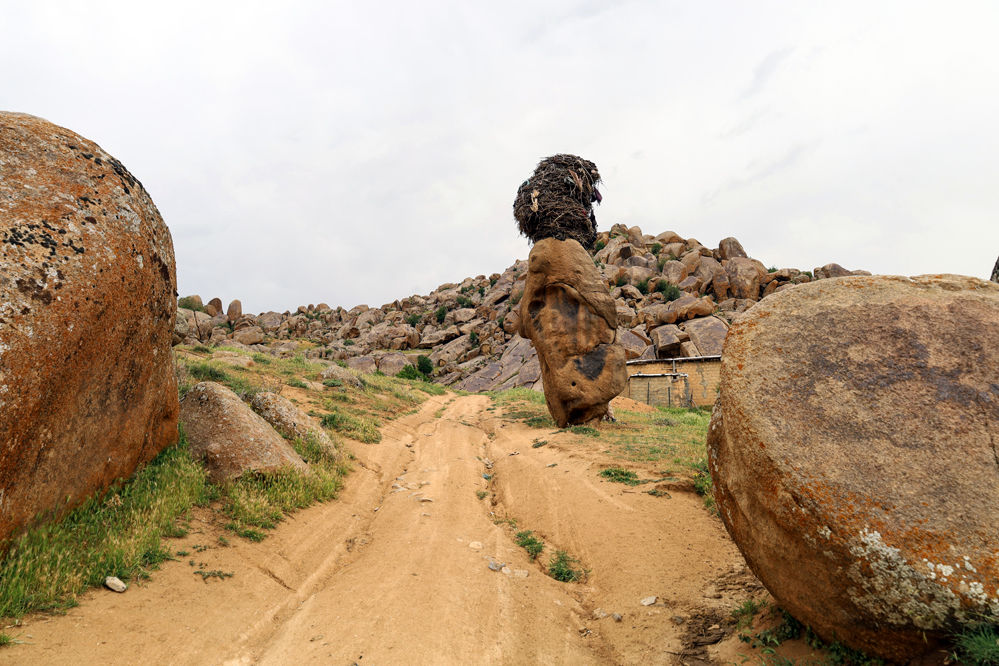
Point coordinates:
[[410, 372], [424, 365], [670, 291]]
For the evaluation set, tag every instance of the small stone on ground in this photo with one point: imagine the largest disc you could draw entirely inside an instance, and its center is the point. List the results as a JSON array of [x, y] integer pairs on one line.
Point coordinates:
[[115, 584]]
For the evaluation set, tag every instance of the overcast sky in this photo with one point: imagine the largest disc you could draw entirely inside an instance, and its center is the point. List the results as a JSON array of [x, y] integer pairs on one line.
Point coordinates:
[[306, 152]]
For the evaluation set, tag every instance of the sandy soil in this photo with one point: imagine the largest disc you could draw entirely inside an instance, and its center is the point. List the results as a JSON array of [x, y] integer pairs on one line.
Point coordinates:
[[397, 569]]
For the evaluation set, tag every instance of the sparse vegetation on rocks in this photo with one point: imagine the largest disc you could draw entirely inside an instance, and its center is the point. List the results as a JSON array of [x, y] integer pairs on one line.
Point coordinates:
[[469, 330]]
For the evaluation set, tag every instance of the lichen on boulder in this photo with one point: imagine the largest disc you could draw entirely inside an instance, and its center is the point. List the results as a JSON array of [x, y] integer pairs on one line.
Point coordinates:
[[854, 455], [87, 310]]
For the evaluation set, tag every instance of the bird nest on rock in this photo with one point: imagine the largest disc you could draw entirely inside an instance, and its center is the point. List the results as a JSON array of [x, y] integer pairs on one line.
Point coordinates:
[[557, 200]]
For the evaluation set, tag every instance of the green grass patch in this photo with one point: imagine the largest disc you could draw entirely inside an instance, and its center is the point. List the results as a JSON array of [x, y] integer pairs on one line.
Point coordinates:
[[263, 500], [118, 533], [562, 567], [354, 426], [517, 395], [530, 543], [207, 373], [669, 434], [584, 430], [619, 475], [295, 382], [538, 421], [430, 389], [746, 611], [201, 371], [977, 645]]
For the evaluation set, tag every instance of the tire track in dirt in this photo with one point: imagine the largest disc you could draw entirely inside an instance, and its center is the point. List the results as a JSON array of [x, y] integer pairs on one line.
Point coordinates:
[[383, 576]]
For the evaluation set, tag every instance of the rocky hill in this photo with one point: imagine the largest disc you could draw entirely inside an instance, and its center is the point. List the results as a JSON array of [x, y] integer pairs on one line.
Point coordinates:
[[675, 297]]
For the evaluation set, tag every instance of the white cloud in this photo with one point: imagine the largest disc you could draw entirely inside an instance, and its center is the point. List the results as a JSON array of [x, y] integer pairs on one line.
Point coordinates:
[[348, 152]]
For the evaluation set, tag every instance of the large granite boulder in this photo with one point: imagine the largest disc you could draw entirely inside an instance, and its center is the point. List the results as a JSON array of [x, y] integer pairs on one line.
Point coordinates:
[[854, 455], [87, 311], [570, 317], [230, 438]]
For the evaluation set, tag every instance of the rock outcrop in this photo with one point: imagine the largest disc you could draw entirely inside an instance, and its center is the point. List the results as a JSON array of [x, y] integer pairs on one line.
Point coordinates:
[[87, 308], [854, 454], [654, 281], [229, 437], [995, 272], [570, 317]]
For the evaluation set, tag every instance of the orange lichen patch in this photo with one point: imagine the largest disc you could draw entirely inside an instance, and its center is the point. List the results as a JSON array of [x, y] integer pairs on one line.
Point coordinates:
[[87, 307], [831, 469]]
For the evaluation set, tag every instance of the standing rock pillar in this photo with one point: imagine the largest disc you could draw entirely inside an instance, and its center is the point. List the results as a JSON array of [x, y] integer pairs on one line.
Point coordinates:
[[566, 309]]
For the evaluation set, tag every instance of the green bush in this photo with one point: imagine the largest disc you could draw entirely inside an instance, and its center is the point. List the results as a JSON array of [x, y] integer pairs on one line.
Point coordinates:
[[413, 319], [530, 543], [424, 365], [561, 568], [410, 372], [473, 339], [643, 286], [441, 314], [464, 301], [599, 245], [619, 475], [670, 291], [656, 247]]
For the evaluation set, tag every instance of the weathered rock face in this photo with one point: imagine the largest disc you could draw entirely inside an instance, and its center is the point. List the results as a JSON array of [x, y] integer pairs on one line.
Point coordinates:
[[995, 272], [290, 421], [251, 335], [87, 309], [854, 453], [229, 437], [570, 317], [708, 334]]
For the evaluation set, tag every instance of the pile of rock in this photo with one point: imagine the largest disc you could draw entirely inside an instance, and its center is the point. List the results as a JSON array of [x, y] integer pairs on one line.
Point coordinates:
[[469, 329]]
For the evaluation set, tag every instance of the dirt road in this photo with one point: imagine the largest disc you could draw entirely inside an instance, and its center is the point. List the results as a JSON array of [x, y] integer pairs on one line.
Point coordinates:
[[397, 570]]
